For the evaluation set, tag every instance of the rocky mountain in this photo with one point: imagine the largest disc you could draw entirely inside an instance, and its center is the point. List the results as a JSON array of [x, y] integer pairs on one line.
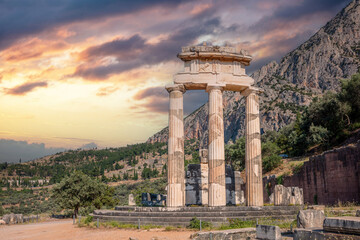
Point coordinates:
[[316, 66]]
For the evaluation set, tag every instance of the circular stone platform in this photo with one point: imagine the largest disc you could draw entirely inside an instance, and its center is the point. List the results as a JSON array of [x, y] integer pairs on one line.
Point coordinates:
[[182, 216]]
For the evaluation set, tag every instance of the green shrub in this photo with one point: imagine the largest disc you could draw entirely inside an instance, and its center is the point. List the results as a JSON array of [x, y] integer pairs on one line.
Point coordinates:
[[195, 224], [88, 219]]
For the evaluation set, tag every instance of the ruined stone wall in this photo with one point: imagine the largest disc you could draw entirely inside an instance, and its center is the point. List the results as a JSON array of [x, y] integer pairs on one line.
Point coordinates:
[[328, 178], [196, 185]]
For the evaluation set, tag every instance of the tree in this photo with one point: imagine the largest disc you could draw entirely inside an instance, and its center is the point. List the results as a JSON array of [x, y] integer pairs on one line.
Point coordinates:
[[135, 175], [79, 190], [146, 173], [235, 154], [270, 156], [350, 95]]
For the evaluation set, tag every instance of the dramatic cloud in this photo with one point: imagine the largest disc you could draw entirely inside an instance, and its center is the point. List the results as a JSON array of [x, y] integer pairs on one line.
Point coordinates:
[[25, 88], [21, 18], [286, 14], [125, 54], [12, 151], [120, 47], [156, 99], [34, 48]]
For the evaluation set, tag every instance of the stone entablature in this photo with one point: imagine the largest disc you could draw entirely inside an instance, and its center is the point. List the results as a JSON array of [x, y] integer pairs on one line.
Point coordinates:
[[205, 65]]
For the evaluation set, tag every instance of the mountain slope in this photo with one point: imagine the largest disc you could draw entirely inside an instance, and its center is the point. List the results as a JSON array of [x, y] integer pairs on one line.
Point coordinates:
[[316, 66]]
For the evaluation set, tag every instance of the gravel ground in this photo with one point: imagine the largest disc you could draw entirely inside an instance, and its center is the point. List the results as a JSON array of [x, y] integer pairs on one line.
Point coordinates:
[[63, 229]]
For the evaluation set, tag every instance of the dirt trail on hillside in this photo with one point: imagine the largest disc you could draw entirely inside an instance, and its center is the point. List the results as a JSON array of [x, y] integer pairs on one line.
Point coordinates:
[[64, 230]]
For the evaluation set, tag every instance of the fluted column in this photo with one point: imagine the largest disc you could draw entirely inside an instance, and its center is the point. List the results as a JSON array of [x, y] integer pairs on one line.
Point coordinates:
[[216, 155], [175, 166], [253, 164]]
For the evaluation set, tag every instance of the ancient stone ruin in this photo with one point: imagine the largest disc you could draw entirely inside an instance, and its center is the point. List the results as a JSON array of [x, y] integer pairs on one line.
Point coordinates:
[[288, 196], [196, 183], [214, 69]]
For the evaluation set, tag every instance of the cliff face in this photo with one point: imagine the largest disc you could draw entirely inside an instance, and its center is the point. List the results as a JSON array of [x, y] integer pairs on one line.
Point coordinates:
[[316, 66]]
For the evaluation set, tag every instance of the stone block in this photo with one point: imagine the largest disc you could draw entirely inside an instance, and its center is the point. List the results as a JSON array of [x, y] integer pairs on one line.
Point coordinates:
[[132, 200], [280, 196], [302, 234], [267, 232], [243, 233], [271, 198], [2, 222], [358, 213], [288, 195], [310, 219], [319, 234], [347, 225], [239, 194], [203, 153], [13, 218]]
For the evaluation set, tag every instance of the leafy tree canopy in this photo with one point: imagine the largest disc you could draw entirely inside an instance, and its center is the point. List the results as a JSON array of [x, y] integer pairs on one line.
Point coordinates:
[[79, 190]]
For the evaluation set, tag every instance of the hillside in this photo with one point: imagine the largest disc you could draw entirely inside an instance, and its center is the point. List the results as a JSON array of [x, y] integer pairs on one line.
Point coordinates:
[[133, 162], [316, 66]]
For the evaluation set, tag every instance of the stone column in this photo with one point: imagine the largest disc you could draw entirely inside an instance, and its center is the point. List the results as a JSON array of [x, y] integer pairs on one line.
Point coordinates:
[[253, 164], [175, 165], [216, 155]]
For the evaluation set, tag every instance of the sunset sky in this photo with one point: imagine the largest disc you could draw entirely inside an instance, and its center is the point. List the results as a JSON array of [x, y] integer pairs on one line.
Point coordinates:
[[74, 72]]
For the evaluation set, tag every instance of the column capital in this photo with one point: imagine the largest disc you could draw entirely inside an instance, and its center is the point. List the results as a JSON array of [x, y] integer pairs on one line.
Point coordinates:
[[251, 90], [175, 87], [210, 87]]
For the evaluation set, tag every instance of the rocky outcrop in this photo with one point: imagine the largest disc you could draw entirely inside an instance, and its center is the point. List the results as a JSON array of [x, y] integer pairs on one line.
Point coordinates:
[[316, 66]]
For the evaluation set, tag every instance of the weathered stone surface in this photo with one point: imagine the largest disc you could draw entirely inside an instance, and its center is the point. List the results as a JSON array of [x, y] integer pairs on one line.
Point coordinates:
[[132, 200], [310, 219], [239, 193], [347, 225], [175, 166], [288, 195], [239, 234], [2, 222], [196, 185], [204, 156], [267, 232], [308, 234], [271, 198], [13, 218], [319, 234], [253, 162], [358, 213], [217, 191], [330, 177]]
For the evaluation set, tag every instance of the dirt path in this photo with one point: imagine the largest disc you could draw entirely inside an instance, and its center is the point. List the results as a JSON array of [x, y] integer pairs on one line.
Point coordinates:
[[64, 230]]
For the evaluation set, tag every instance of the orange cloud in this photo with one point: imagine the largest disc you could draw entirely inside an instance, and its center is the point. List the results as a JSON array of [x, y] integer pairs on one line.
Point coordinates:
[[106, 91], [200, 8], [33, 48], [65, 33]]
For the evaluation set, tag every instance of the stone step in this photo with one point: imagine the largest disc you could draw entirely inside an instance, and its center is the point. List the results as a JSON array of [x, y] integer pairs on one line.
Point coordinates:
[[183, 221], [198, 214], [182, 216], [207, 209]]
